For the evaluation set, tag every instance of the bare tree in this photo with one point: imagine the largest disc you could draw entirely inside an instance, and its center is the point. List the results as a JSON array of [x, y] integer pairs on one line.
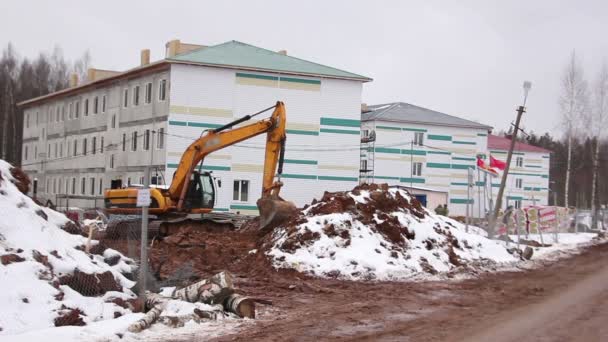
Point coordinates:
[[82, 65], [597, 125], [573, 103]]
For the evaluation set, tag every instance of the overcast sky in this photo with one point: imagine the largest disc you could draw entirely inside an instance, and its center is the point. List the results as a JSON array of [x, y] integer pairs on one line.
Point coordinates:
[[465, 58]]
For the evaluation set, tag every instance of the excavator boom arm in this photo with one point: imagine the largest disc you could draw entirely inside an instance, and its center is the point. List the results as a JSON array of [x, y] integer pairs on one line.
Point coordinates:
[[222, 137]]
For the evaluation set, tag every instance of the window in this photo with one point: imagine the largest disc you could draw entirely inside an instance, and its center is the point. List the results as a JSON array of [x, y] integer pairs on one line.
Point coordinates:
[[147, 140], [54, 185], [73, 185], [141, 180], [84, 146], [77, 110], [417, 169], [134, 141], [101, 147], [111, 161], [363, 165], [160, 139], [25, 152], [94, 145], [124, 141], [92, 186], [113, 121], [83, 185], [63, 113], [27, 120], [75, 146], [60, 185], [56, 150], [162, 90], [125, 98], [136, 96], [70, 111], [100, 186], [61, 149], [241, 190], [48, 151], [519, 161], [128, 181], [103, 104], [95, 105], [86, 107], [37, 119], [48, 185], [148, 93], [57, 113], [35, 152], [418, 138], [518, 183], [518, 204]]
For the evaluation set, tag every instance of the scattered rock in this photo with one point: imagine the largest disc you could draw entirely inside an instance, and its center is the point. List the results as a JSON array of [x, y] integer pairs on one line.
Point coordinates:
[[528, 252], [42, 214], [10, 258], [91, 284], [70, 317]]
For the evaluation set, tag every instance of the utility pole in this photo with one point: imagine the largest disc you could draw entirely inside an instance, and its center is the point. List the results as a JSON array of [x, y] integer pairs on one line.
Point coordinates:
[[143, 267], [520, 111], [412, 165]]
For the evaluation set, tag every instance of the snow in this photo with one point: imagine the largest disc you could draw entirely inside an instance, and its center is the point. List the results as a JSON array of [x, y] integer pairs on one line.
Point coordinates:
[[27, 296], [367, 254]]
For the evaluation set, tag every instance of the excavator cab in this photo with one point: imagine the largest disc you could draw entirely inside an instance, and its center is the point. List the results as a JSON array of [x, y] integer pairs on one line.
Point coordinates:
[[201, 191]]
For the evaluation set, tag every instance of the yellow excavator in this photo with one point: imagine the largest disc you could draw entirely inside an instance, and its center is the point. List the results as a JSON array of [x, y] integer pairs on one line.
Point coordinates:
[[193, 192]]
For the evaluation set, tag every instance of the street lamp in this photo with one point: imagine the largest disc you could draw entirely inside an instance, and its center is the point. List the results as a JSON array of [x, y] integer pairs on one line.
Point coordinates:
[[520, 111]]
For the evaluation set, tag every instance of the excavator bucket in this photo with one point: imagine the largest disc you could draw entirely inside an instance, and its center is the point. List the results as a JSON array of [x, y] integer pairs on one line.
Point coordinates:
[[274, 211]]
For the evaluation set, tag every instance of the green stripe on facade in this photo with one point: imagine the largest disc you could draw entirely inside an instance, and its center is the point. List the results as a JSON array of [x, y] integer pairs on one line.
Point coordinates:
[[259, 77], [389, 127], [387, 177], [178, 123], [301, 161], [438, 165], [336, 178], [221, 209], [243, 207], [463, 158], [414, 152], [388, 150], [460, 201], [534, 166], [516, 198], [439, 137], [301, 132], [464, 142], [546, 156], [205, 167], [291, 175], [544, 176], [415, 129], [412, 180], [338, 131], [300, 80], [340, 122], [203, 124], [459, 184], [531, 188], [439, 152], [462, 167], [482, 135]]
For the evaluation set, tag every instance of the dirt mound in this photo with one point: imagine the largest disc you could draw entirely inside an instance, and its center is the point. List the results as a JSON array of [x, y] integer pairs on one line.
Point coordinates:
[[374, 232]]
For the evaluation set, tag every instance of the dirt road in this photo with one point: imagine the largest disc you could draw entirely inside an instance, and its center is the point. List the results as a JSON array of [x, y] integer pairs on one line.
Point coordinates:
[[562, 301]]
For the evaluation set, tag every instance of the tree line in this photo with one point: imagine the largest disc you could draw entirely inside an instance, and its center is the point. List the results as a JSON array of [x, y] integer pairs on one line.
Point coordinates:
[[23, 78]]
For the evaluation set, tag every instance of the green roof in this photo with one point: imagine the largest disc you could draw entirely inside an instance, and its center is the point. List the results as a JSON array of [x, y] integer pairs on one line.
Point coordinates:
[[235, 54]]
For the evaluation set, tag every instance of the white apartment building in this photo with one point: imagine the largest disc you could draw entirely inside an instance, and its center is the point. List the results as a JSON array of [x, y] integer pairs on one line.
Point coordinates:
[[113, 125], [528, 180]]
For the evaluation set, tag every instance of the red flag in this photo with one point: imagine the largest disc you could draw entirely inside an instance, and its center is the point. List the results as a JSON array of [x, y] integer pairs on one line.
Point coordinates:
[[497, 163], [482, 165]]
